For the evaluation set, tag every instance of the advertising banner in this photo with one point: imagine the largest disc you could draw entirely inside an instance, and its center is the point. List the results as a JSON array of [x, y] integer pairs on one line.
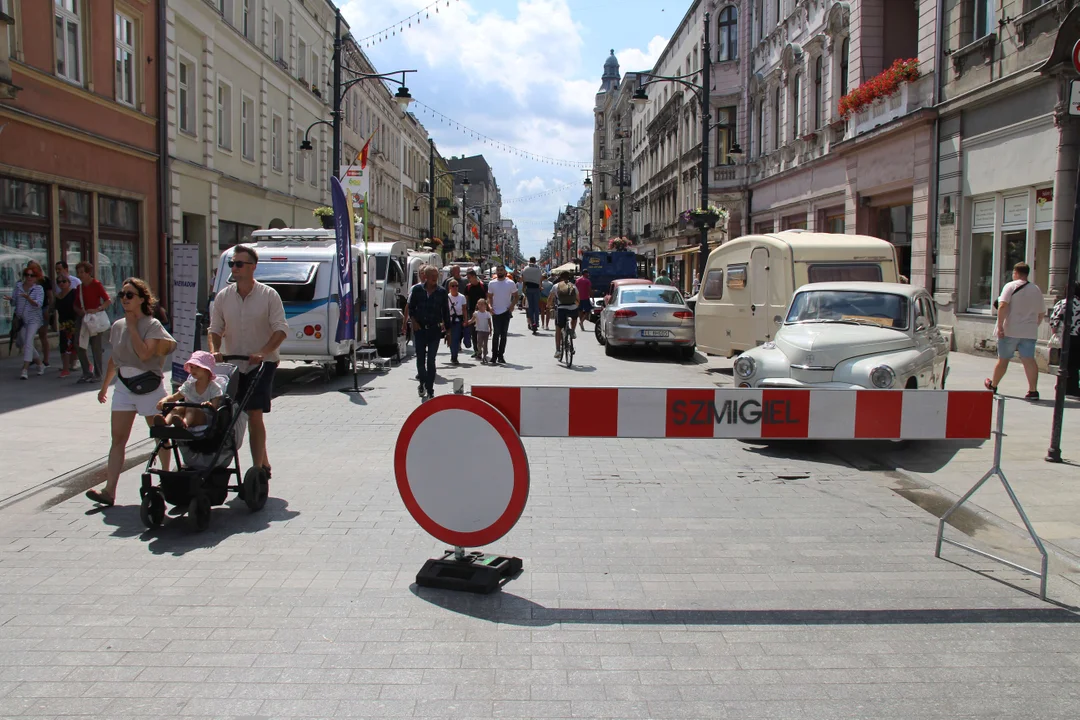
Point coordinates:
[[185, 305], [346, 329]]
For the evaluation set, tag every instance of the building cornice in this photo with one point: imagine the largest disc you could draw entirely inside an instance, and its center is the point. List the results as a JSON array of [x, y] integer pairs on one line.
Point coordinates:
[[38, 121]]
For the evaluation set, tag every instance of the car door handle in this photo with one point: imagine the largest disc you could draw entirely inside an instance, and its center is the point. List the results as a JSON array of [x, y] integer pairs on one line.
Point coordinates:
[[753, 308]]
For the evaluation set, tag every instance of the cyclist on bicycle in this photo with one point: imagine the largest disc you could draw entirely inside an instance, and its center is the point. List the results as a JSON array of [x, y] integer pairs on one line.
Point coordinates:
[[564, 296]]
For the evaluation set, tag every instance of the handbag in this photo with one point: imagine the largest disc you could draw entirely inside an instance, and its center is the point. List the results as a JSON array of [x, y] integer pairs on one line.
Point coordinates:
[[1055, 339], [96, 322], [143, 383]]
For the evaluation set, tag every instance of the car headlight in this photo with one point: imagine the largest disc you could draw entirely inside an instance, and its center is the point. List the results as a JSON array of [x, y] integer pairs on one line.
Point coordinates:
[[745, 366], [882, 377]]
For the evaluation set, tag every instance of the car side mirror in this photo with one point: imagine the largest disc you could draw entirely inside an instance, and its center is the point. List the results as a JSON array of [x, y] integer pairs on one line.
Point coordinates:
[[777, 320], [600, 303]]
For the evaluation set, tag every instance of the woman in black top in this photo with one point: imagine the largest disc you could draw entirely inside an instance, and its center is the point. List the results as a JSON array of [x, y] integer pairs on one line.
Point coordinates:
[[65, 314]]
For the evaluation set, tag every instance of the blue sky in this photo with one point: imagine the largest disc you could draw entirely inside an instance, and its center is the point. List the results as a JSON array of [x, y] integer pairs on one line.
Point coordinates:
[[524, 72]]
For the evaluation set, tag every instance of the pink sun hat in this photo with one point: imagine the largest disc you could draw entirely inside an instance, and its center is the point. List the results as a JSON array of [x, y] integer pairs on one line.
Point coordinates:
[[200, 358]]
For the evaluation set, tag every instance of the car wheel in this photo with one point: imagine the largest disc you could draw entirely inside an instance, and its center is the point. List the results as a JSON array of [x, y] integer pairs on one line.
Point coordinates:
[[687, 353], [599, 334], [944, 375], [609, 349]]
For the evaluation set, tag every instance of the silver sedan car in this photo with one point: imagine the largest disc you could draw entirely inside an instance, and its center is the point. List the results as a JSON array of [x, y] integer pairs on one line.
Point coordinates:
[[649, 316]]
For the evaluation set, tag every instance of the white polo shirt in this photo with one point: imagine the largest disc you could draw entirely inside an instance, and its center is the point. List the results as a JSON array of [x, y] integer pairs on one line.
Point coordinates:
[[502, 295]]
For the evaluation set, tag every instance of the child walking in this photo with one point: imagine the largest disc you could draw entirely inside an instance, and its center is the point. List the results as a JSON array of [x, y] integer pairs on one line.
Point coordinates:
[[481, 319], [201, 387]]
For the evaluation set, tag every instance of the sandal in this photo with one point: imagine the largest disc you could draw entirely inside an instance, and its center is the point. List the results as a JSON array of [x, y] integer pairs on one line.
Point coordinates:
[[990, 386], [267, 469], [100, 498], [1033, 395]]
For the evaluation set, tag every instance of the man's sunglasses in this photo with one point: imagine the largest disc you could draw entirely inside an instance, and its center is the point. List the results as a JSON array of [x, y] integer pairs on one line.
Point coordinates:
[[64, 282], [239, 263], [129, 295]]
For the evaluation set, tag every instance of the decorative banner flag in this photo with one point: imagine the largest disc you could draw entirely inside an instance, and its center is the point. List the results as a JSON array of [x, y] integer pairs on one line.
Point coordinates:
[[346, 328], [475, 232], [363, 156], [607, 216]]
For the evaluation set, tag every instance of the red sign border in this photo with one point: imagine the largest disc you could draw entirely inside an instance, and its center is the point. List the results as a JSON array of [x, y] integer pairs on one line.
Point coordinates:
[[518, 496]]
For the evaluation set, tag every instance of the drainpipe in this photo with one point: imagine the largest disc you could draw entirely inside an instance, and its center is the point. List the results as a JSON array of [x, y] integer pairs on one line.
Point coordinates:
[[935, 148], [163, 196]]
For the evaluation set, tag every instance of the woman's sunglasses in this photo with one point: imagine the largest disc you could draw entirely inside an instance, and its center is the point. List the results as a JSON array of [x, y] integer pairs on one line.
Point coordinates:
[[64, 282], [239, 263], [129, 295]]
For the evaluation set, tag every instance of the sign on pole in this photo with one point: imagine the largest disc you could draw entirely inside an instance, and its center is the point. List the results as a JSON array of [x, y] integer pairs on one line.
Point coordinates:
[[1074, 97], [185, 305], [357, 183]]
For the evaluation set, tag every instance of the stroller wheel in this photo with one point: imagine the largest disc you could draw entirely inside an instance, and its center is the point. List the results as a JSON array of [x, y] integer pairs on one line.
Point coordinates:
[[199, 512], [256, 488], [152, 509]]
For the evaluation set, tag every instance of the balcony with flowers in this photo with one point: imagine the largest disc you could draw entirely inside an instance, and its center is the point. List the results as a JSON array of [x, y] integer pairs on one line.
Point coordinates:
[[896, 92]]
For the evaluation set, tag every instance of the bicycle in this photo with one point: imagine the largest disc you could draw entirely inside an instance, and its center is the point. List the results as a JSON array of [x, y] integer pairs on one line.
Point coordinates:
[[568, 345]]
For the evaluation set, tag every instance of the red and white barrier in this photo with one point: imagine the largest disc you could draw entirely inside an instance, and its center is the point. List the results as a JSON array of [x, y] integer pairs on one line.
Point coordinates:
[[742, 413]]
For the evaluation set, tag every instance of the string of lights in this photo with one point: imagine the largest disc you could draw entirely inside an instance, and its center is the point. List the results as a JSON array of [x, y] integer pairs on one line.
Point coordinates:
[[534, 196], [497, 144], [400, 27]]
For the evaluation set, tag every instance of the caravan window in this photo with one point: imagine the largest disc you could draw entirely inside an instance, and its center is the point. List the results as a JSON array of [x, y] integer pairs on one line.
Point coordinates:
[[294, 281], [397, 275], [381, 263], [713, 289], [736, 276], [844, 272]]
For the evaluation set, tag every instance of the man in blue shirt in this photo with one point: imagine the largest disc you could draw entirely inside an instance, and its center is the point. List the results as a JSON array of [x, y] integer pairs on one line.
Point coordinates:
[[429, 312]]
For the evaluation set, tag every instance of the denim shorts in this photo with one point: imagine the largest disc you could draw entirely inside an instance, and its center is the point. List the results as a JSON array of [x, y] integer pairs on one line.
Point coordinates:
[[1009, 346]]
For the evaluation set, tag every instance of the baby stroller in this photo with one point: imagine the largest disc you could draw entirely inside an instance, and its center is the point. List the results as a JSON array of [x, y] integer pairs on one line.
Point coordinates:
[[206, 460]]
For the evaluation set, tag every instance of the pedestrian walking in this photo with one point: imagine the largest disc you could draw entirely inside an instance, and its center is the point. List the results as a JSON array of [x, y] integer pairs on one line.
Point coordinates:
[[663, 279], [249, 319], [458, 312], [429, 312], [520, 290], [502, 297], [1057, 326], [584, 290], [455, 274], [475, 291], [139, 346], [545, 309], [1021, 308], [481, 323], [91, 300], [531, 277], [48, 310], [67, 322], [29, 300]]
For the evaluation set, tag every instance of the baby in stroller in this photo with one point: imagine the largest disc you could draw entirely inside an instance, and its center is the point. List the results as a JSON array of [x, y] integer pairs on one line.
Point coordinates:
[[202, 387]]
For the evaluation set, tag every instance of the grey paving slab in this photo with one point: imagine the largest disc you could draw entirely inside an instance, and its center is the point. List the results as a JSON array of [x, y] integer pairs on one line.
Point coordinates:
[[663, 579]]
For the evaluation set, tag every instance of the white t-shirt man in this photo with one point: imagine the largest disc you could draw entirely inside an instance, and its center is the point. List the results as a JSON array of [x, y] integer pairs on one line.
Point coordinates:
[[1026, 304], [502, 295]]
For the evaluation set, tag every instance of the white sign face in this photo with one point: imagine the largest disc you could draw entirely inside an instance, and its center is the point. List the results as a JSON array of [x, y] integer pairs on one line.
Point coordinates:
[[983, 214], [1016, 208], [1074, 97], [356, 182], [185, 304]]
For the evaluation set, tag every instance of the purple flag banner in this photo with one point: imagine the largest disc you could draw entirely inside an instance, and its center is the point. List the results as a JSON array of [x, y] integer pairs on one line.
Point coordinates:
[[346, 328]]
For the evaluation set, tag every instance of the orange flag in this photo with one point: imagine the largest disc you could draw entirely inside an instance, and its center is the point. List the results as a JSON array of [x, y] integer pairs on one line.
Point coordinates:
[[363, 156], [607, 216]]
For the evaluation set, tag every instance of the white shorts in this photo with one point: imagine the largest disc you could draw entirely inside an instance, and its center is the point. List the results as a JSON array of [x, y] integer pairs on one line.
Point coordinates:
[[123, 400]]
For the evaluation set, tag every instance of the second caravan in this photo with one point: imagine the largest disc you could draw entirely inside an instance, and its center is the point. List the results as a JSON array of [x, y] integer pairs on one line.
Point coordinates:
[[749, 281]]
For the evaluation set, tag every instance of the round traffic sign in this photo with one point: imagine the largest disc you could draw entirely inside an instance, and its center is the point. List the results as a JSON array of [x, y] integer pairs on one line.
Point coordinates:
[[461, 470], [1076, 56]]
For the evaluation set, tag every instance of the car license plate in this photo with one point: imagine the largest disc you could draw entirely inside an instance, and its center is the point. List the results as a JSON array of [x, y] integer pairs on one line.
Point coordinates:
[[654, 333]]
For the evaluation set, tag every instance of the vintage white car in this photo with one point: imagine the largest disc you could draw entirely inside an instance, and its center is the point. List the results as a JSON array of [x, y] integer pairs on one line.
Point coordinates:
[[850, 335]]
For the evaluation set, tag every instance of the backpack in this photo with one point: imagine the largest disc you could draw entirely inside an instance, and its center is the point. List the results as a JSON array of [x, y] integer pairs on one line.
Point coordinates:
[[565, 293]]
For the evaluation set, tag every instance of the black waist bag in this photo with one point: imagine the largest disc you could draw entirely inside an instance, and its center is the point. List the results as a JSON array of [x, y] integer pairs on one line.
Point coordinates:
[[142, 384]]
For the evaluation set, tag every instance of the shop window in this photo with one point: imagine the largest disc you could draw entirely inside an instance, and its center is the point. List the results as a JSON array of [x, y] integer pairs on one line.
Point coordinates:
[[68, 39], [23, 198], [17, 248], [763, 228], [74, 208], [118, 214], [117, 261], [125, 60], [794, 222], [1040, 273]]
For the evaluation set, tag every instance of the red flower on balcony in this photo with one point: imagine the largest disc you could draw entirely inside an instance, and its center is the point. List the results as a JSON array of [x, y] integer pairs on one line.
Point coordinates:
[[880, 86]]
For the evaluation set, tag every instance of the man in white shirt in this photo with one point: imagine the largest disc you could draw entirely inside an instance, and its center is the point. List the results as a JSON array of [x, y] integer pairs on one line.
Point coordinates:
[[249, 319], [502, 298], [1021, 309]]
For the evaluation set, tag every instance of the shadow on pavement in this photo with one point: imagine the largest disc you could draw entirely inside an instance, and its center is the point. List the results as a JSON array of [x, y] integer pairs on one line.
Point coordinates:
[[16, 394], [503, 607], [176, 537], [918, 456], [650, 355]]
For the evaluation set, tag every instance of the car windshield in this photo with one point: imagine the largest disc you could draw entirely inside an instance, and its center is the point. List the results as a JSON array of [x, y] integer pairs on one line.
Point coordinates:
[[663, 296], [850, 306]]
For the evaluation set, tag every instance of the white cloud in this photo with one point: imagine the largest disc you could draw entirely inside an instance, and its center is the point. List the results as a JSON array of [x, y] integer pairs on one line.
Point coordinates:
[[636, 60]]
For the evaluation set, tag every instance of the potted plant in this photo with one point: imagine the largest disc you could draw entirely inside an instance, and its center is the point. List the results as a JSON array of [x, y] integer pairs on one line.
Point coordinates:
[[325, 213], [618, 243], [708, 217], [315, 89], [879, 87]]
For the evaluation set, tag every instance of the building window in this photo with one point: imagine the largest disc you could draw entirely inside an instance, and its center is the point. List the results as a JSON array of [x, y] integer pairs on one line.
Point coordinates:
[[313, 176], [727, 36], [760, 14], [247, 128], [24, 236], [301, 60], [760, 127], [984, 19], [300, 161], [279, 39], [231, 234], [845, 48], [247, 20], [314, 69], [185, 95], [778, 100], [275, 143], [819, 92], [224, 116], [125, 59], [981, 290], [225, 7], [777, 8], [68, 41], [796, 104]]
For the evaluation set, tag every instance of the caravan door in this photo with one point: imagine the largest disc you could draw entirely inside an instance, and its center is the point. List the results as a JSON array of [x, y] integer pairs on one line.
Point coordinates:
[[760, 291]]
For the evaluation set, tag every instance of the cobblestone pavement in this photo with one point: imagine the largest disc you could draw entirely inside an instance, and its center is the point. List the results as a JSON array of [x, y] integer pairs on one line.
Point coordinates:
[[663, 579]]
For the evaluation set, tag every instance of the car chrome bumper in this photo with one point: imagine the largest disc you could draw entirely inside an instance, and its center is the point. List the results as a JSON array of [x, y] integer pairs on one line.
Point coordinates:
[[791, 383]]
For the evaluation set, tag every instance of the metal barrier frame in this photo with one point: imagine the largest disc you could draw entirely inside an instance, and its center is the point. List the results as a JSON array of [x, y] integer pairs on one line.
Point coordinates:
[[999, 434]]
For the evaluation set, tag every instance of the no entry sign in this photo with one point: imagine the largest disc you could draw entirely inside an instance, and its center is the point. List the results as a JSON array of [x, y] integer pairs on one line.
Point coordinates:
[[461, 470]]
